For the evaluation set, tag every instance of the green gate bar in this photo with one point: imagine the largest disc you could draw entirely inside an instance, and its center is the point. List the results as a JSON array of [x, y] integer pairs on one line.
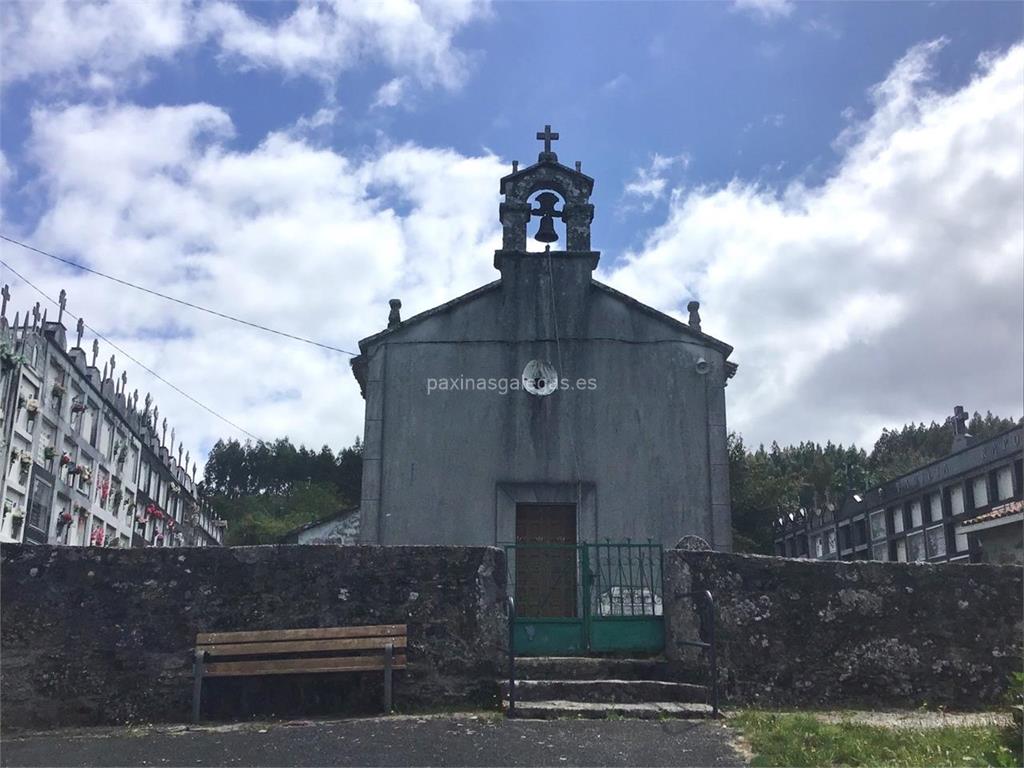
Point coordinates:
[[613, 603]]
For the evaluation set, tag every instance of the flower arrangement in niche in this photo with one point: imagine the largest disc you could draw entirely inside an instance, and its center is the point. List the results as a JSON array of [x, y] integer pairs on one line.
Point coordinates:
[[65, 459], [49, 452], [105, 491], [32, 406], [58, 389], [25, 458], [85, 473], [97, 536], [77, 406]]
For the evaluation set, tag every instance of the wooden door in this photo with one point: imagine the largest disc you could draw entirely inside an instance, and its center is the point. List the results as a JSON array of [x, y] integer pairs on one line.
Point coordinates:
[[546, 560]]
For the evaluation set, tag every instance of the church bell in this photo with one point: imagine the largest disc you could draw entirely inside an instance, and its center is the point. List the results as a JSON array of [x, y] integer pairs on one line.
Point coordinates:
[[546, 231]]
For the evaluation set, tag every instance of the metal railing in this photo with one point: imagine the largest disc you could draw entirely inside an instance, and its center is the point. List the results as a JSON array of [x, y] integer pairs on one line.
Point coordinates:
[[599, 580], [707, 601]]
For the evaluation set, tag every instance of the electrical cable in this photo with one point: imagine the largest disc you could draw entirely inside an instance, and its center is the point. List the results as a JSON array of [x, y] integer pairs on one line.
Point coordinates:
[[189, 304], [135, 360]]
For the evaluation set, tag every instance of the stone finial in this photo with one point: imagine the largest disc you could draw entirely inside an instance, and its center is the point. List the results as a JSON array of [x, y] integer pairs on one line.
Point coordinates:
[[163, 431], [104, 377], [694, 309], [36, 314], [44, 317], [147, 403], [80, 329], [579, 166], [515, 166], [171, 444], [180, 446], [6, 295], [135, 400], [186, 458], [62, 302], [113, 364], [124, 381], [156, 418], [17, 315], [95, 351], [395, 316], [960, 419]]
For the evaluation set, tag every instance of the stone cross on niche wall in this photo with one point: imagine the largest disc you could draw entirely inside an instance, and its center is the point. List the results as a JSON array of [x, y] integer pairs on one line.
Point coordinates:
[[113, 362], [960, 419], [6, 294], [80, 328], [62, 302], [95, 351], [36, 314], [163, 433]]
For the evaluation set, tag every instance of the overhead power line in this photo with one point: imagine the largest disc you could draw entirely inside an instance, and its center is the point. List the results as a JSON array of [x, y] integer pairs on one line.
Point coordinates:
[[184, 303], [135, 360]]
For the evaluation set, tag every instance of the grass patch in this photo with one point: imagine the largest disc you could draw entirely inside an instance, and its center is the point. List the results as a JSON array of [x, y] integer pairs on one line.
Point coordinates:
[[782, 739]]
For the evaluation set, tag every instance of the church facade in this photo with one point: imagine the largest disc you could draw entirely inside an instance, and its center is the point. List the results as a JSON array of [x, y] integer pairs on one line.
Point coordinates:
[[544, 406]]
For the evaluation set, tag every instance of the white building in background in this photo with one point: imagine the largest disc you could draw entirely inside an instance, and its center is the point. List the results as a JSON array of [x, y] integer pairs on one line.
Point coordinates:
[[83, 464]]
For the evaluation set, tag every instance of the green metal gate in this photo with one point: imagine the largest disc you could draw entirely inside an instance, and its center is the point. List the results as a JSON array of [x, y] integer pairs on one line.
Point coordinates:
[[573, 599]]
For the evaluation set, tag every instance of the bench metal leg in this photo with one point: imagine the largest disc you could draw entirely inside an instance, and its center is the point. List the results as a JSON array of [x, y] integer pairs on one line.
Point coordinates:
[[197, 684], [387, 677]]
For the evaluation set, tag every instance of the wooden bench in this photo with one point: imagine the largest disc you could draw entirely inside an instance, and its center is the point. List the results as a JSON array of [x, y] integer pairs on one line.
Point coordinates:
[[299, 651]]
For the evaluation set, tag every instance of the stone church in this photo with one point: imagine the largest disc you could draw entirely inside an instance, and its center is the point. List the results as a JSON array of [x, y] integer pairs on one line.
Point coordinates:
[[544, 406]]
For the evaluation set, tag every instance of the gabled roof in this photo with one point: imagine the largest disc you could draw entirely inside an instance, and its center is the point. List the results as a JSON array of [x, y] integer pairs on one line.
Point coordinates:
[[358, 363], [313, 524]]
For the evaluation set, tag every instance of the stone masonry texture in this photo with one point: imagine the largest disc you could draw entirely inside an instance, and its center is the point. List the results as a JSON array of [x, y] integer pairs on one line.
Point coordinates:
[[100, 636], [807, 633]]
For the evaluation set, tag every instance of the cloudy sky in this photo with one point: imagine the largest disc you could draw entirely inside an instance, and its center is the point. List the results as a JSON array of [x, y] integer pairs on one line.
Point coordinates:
[[840, 185]]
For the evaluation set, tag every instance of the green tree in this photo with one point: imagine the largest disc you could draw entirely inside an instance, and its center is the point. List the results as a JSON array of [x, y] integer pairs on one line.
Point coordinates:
[[265, 489]]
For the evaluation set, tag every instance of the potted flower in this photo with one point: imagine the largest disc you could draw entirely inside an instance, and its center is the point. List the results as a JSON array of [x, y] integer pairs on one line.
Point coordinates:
[[104, 491], [58, 389], [77, 406], [49, 452], [85, 473], [65, 459], [82, 510], [25, 458], [32, 406]]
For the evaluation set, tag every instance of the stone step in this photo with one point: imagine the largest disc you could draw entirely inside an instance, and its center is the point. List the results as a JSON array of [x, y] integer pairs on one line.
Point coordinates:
[[652, 710], [601, 668], [607, 691]]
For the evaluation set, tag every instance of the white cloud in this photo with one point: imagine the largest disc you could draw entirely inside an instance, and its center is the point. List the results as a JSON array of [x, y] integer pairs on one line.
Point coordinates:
[[390, 94], [888, 293], [92, 45], [765, 10], [288, 234], [651, 181], [106, 46]]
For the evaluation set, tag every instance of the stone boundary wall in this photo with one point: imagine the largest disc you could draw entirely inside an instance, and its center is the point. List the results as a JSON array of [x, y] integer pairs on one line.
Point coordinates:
[[103, 636], [819, 633]]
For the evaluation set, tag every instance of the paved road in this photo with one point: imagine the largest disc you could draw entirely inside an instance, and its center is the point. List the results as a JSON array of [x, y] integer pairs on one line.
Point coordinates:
[[450, 740]]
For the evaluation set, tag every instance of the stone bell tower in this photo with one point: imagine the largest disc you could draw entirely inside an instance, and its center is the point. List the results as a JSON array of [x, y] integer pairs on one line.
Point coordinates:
[[546, 174], [546, 292]]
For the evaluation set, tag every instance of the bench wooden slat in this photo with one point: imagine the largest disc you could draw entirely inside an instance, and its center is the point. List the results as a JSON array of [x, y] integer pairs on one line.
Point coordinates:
[[298, 666], [316, 633], [303, 646]]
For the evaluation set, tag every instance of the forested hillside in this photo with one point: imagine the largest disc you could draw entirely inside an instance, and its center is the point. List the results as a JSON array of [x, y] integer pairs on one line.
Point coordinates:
[[265, 489]]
